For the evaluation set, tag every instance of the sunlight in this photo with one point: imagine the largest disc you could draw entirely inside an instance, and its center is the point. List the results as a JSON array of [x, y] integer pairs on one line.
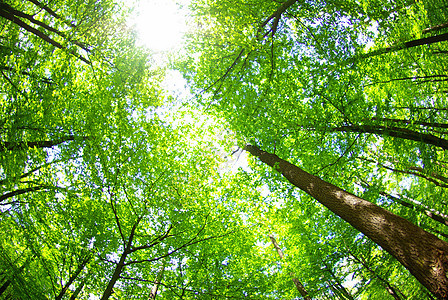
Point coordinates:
[[160, 23]]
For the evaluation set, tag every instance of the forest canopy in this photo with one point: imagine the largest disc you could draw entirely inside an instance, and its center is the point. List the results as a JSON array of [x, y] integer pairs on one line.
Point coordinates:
[[111, 187]]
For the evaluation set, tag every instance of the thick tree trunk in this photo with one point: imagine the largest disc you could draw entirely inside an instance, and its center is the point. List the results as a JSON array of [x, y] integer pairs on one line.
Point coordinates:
[[296, 281], [276, 17], [422, 253], [117, 272]]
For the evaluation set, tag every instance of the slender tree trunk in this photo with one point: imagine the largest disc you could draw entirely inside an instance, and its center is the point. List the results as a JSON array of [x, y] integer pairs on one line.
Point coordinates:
[[422, 253], [39, 144], [51, 12], [432, 213], [121, 264], [4, 286], [8, 15], [21, 191], [73, 277], [389, 288], [159, 278], [43, 79], [413, 122], [406, 45], [30, 18], [77, 291], [339, 287], [395, 132], [434, 178], [296, 281], [437, 27]]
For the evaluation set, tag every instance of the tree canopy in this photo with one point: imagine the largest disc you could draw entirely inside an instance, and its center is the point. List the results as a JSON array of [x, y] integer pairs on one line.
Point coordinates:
[[112, 189]]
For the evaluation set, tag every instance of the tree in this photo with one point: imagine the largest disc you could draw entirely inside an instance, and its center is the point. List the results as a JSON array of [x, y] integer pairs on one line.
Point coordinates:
[[293, 94], [423, 254], [296, 281]]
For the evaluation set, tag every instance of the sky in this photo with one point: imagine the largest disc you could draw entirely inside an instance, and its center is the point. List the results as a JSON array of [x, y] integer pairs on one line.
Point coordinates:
[[160, 23]]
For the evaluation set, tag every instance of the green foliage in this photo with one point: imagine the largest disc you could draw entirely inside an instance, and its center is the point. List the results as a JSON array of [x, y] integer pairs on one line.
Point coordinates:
[[97, 169]]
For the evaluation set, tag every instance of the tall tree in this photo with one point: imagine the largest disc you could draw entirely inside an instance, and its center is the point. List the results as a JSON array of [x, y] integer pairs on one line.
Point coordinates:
[[423, 254], [296, 281]]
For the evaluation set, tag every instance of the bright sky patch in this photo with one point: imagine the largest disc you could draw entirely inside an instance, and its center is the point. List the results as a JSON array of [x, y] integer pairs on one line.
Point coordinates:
[[160, 24]]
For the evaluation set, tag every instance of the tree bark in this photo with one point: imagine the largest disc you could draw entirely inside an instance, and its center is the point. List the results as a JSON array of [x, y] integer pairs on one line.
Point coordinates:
[[398, 132], [77, 291], [4, 286], [73, 277], [338, 287], [9, 16], [155, 287], [296, 281], [116, 275], [39, 144], [406, 45], [434, 178], [21, 191], [422, 253], [51, 12], [276, 17], [432, 213], [389, 288], [413, 122], [121, 264], [437, 27], [30, 18]]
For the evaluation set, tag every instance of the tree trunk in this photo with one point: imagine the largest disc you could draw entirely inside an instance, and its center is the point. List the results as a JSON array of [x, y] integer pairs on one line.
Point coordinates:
[[437, 27], [9, 16], [422, 253], [121, 264], [73, 277], [414, 122], [51, 12], [4, 286], [276, 17], [21, 191], [77, 291], [398, 132], [405, 45], [296, 281], [158, 281], [432, 213], [30, 18], [338, 287], [117, 272], [389, 288], [434, 178], [39, 144]]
